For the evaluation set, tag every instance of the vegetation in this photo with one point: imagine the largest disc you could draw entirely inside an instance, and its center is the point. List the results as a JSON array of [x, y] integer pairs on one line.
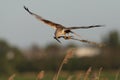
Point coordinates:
[[13, 60]]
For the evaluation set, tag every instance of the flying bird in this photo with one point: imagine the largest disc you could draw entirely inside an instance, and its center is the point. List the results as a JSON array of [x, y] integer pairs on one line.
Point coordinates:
[[60, 30]]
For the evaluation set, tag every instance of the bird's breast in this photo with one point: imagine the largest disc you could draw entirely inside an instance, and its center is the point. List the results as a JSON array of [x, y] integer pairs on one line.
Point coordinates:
[[60, 32]]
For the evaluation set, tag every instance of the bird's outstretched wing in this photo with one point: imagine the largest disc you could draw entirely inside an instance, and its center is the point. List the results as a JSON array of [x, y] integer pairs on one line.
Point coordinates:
[[85, 27], [89, 42], [50, 23], [84, 41]]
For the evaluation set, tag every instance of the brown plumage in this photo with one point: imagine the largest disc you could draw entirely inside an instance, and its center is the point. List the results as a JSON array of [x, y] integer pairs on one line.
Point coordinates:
[[61, 30]]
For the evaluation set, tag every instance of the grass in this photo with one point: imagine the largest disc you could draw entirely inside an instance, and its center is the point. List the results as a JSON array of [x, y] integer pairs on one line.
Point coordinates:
[[89, 74], [77, 75]]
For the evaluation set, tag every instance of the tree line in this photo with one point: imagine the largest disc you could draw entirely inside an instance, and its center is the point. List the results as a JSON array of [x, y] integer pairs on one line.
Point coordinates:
[[12, 59]]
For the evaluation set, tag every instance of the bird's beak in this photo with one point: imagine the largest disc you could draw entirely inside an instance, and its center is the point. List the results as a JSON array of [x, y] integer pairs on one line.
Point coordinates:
[[57, 39]]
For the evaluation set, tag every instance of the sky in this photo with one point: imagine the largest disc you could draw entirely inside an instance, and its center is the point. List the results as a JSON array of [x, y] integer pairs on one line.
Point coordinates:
[[21, 29]]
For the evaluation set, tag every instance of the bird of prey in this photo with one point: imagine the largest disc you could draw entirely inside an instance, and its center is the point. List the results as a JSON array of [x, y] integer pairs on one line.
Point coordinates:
[[60, 30]]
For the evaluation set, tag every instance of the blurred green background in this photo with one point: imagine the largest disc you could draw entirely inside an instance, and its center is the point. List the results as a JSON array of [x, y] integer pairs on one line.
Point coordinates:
[[48, 58]]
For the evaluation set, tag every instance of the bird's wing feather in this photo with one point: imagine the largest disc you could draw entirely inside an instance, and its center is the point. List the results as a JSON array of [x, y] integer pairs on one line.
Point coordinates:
[[50, 23], [85, 27], [89, 42]]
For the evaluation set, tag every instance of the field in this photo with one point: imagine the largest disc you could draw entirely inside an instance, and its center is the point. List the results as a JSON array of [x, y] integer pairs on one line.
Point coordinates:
[[78, 75], [89, 74]]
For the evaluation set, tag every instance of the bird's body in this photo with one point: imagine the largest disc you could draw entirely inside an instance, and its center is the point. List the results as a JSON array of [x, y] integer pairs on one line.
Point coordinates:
[[61, 31]]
